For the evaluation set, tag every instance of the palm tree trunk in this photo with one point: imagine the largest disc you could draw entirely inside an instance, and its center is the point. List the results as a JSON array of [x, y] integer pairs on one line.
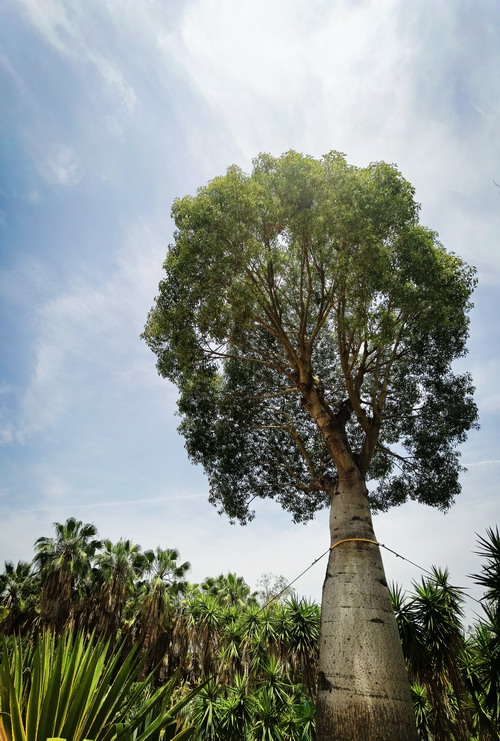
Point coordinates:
[[363, 690]]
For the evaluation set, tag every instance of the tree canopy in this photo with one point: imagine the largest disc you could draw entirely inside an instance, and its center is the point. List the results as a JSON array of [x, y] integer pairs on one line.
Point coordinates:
[[303, 305]]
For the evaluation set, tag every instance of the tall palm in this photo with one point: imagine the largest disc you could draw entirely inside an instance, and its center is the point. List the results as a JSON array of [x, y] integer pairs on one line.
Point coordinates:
[[19, 589], [159, 597], [64, 563], [117, 566]]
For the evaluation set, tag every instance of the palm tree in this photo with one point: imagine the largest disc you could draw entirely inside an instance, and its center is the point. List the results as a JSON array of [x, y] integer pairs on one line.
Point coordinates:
[[116, 569], [19, 588], [433, 645], [236, 710], [481, 670], [483, 667], [302, 622], [230, 589], [64, 563], [423, 712], [231, 648], [203, 618], [267, 724], [206, 714], [159, 599]]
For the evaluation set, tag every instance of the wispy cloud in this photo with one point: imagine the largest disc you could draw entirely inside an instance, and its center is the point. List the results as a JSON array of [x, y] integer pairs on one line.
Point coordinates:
[[70, 30], [69, 507], [93, 329], [60, 166], [369, 79], [482, 463]]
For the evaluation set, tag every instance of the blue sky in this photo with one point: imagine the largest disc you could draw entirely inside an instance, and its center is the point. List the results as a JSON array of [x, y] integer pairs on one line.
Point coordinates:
[[110, 109]]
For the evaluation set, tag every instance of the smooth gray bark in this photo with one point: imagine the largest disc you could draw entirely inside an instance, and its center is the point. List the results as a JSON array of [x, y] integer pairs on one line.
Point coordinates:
[[363, 689]]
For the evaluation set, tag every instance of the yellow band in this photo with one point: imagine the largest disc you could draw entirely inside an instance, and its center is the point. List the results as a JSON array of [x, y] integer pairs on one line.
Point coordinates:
[[350, 540]]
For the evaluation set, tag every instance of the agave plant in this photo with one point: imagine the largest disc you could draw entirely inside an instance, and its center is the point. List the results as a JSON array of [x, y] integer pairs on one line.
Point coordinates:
[[81, 690]]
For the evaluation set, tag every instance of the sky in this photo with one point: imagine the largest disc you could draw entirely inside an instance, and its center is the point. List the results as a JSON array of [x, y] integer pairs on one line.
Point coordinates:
[[112, 108]]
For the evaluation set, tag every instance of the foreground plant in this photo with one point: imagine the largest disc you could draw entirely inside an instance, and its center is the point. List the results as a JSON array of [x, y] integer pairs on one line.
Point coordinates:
[[81, 690]]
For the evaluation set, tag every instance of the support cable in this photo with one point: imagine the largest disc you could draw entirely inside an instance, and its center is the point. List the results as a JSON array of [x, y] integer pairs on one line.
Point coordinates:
[[362, 540]]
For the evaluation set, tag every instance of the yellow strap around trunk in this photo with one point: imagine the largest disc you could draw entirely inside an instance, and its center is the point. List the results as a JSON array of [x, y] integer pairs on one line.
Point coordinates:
[[350, 540]]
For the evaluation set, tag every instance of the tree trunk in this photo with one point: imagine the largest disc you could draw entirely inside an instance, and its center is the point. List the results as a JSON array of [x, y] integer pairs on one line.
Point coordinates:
[[363, 689]]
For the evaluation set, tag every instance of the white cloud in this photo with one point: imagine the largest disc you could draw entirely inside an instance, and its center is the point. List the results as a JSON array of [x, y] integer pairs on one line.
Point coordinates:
[[482, 463], [60, 166], [94, 328], [6, 434], [369, 79], [33, 196], [69, 29]]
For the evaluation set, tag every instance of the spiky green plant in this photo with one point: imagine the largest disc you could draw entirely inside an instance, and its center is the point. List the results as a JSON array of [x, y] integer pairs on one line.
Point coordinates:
[[78, 689]]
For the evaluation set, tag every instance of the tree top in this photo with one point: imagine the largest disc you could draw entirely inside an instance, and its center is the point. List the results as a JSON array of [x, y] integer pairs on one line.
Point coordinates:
[[305, 310]]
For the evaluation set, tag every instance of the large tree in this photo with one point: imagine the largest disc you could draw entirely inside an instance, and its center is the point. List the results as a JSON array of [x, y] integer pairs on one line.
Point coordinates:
[[310, 323]]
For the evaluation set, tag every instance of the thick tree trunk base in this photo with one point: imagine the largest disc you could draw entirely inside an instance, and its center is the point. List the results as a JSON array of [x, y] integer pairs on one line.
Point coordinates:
[[359, 722], [363, 690]]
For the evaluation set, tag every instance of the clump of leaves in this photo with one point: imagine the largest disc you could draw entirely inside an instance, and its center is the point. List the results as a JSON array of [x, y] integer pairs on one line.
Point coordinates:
[[81, 689]]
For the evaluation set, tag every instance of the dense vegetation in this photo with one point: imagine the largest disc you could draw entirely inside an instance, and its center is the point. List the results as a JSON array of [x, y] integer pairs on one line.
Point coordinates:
[[126, 618]]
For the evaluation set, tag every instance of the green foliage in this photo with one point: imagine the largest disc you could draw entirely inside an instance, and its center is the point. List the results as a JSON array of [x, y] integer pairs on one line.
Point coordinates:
[[262, 660], [19, 588], [303, 306], [71, 688], [490, 573]]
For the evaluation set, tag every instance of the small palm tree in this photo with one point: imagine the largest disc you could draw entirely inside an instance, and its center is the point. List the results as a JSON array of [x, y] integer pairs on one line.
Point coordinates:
[[206, 713], [19, 588], [272, 677], [302, 620], [267, 724], [236, 710], [489, 577], [230, 590], [433, 645], [423, 712], [231, 650], [203, 619]]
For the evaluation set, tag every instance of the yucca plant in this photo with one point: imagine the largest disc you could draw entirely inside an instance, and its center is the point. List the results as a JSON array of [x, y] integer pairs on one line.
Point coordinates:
[[75, 689]]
